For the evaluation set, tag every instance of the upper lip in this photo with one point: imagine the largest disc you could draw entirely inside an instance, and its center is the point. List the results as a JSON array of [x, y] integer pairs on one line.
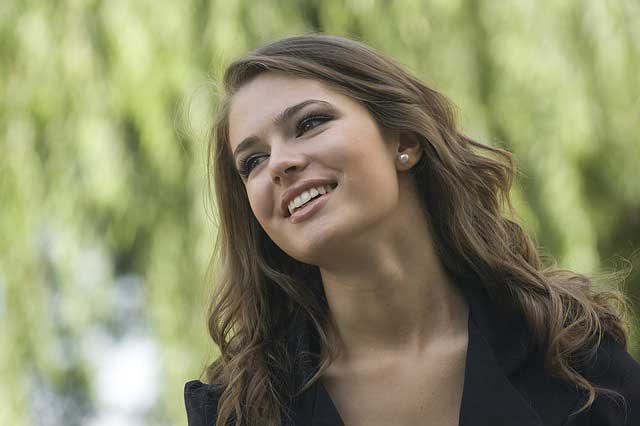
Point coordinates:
[[298, 189]]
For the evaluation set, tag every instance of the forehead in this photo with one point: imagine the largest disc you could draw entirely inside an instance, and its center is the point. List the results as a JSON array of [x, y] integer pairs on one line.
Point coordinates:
[[255, 104]]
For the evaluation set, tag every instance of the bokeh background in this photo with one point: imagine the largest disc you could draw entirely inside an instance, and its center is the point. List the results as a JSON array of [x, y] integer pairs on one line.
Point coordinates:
[[105, 231]]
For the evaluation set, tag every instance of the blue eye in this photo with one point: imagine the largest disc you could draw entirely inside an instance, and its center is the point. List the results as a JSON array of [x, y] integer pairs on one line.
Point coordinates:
[[306, 123]]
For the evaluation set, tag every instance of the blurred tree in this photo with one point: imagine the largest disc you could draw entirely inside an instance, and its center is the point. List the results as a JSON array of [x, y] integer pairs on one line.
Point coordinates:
[[104, 228]]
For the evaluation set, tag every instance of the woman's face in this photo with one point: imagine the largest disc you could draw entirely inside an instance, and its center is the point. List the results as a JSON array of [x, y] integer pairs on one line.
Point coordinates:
[[327, 137]]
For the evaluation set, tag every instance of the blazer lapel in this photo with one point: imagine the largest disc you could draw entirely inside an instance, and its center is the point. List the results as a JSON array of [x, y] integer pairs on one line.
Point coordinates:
[[505, 379], [505, 382], [325, 412], [314, 406], [488, 397]]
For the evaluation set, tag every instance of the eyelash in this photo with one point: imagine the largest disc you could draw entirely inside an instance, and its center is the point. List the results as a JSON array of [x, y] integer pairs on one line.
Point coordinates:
[[245, 164]]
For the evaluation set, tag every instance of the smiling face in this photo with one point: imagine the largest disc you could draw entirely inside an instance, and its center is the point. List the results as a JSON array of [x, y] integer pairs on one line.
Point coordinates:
[[322, 135]]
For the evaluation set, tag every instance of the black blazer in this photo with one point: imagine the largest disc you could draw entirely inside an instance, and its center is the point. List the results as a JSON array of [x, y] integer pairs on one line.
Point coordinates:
[[505, 382]]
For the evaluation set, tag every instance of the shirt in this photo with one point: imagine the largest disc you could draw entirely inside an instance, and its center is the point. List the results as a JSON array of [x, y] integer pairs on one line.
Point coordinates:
[[505, 382]]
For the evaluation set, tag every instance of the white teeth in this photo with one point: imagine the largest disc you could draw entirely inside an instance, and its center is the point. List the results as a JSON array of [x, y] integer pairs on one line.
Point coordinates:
[[305, 196], [308, 195]]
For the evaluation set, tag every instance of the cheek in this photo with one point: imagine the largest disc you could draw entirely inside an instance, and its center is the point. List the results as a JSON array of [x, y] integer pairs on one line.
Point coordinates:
[[367, 164], [372, 179], [260, 203]]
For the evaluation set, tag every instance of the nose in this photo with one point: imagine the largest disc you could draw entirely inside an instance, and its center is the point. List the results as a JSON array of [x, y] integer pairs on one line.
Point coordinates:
[[284, 163]]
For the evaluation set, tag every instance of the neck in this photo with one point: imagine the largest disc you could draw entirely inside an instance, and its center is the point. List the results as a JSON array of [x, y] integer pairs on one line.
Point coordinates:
[[393, 297]]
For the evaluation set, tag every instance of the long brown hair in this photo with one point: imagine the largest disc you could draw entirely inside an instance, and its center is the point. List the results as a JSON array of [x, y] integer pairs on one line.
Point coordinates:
[[259, 288]]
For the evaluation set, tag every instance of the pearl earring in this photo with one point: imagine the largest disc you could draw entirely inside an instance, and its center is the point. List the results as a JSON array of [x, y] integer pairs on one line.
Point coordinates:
[[403, 158]]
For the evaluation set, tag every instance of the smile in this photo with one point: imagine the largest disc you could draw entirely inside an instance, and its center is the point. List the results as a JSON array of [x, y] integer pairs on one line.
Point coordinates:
[[313, 205]]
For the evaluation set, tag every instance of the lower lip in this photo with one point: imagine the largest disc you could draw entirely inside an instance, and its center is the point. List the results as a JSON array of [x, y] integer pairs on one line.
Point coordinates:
[[310, 208]]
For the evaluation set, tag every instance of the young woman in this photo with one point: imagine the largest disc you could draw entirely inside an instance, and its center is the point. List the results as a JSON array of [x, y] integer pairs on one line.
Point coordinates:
[[368, 274]]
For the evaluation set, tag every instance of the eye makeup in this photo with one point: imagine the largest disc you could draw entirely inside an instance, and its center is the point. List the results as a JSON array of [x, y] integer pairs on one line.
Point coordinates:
[[306, 123]]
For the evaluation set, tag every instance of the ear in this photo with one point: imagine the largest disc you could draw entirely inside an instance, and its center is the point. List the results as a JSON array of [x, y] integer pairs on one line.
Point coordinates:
[[407, 143]]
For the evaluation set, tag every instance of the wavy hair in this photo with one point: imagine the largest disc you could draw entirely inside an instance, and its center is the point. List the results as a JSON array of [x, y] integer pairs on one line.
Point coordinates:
[[259, 288]]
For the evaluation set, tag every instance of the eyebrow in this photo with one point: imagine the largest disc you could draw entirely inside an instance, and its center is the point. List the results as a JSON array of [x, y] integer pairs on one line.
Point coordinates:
[[281, 118]]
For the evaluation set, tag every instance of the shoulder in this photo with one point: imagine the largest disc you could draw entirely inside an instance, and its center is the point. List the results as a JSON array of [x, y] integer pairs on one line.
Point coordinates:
[[201, 402], [614, 369], [614, 366]]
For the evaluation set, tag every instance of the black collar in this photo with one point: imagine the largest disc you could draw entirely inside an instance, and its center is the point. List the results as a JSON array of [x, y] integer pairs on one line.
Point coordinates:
[[505, 382]]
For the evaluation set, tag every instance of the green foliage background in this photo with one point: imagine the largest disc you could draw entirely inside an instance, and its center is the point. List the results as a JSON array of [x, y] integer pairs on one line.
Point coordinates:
[[104, 109]]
